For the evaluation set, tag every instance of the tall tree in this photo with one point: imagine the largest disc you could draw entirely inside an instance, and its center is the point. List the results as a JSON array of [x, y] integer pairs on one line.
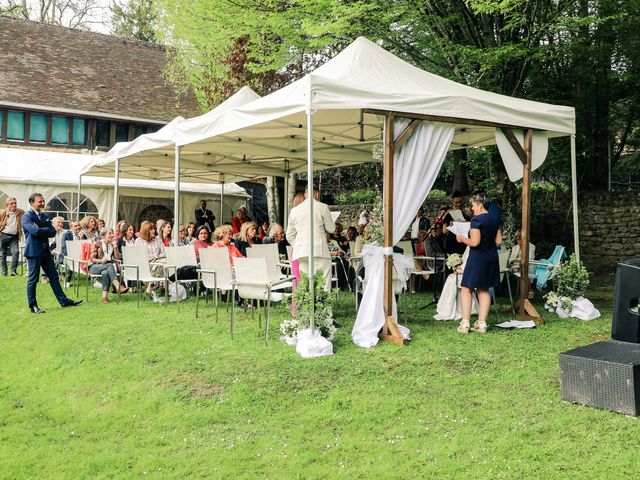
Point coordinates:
[[81, 14], [134, 19]]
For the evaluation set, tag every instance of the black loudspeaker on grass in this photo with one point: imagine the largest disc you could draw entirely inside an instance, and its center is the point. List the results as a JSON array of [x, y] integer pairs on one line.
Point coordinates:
[[607, 374]]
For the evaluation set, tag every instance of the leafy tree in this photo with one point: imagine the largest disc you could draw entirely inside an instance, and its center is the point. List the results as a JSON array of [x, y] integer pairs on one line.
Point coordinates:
[[134, 19]]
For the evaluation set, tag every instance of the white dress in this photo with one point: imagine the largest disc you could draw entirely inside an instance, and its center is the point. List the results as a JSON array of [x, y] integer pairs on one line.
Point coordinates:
[[447, 304]]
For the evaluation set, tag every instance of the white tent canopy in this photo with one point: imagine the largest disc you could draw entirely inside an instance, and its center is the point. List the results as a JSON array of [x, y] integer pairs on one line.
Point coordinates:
[[149, 156], [348, 94], [24, 171]]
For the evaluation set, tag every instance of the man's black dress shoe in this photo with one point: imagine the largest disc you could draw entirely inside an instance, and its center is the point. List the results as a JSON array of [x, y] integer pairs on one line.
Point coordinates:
[[336, 324], [36, 310], [71, 303]]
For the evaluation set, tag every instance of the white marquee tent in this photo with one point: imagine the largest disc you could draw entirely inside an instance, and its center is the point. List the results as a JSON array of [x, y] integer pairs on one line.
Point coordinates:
[[338, 114], [55, 174]]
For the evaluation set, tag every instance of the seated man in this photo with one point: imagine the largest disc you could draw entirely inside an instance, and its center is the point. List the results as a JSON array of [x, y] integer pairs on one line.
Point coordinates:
[[276, 235], [340, 239]]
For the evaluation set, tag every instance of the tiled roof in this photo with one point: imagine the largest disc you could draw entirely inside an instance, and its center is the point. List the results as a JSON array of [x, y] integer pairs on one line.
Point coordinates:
[[52, 66]]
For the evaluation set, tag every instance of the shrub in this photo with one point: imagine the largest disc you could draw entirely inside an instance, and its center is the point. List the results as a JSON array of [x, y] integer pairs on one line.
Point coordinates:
[[357, 197], [573, 279], [321, 317], [437, 194]]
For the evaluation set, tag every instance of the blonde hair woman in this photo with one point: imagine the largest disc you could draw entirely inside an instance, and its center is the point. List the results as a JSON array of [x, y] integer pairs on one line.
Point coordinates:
[[223, 240], [89, 226], [247, 237]]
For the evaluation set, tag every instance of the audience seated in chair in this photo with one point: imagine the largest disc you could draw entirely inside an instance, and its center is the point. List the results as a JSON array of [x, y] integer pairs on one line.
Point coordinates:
[[104, 255]]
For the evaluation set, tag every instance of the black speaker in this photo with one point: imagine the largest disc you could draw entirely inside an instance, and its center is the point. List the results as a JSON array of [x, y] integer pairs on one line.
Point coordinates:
[[603, 375], [626, 319]]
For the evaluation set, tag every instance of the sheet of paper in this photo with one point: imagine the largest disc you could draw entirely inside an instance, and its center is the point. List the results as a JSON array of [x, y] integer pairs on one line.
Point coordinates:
[[457, 216], [460, 228], [517, 324], [334, 216]]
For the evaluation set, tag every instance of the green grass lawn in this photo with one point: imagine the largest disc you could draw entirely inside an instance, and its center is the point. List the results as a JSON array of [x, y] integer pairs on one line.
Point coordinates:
[[115, 391]]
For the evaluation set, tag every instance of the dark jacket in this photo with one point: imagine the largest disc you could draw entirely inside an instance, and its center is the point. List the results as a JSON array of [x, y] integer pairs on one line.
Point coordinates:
[[37, 231]]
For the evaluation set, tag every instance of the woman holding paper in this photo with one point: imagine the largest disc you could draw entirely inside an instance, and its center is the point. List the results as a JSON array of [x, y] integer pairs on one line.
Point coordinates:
[[482, 271]]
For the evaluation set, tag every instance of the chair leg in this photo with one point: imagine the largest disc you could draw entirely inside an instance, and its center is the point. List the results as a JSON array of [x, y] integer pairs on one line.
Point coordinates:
[[214, 292], [233, 305], [166, 293], [86, 290], [198, 294], [258, 307], [266, 331]]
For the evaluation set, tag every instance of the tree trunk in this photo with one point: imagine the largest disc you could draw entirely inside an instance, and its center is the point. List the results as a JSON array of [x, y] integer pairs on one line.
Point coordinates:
[[460, 180], [273, 200]]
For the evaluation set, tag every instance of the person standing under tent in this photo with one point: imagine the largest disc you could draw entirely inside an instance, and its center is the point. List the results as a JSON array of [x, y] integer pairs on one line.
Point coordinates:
[[204, 217], [298, 236], [10, 235], [482, 270]]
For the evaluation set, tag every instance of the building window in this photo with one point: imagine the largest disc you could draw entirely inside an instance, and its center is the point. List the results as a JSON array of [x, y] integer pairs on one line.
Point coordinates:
[[122, 132], [38, 128], [139, 130], [59, 130], [65, 205], [79, 131], [15, 126], [103, 133]]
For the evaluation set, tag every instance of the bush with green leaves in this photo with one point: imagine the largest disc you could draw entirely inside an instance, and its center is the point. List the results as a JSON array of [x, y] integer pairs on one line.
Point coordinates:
[[357, 197], [572, 279], [304, 306]]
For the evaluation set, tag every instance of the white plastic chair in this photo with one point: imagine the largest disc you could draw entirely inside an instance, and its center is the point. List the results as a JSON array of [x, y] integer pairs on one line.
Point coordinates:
[[73, 262], [177, 257], [270, 253], [214, 273], [253, 283], [135, 267]]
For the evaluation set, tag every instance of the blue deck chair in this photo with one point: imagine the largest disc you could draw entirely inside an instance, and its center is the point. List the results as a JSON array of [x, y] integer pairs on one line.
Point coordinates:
[[546, 268]]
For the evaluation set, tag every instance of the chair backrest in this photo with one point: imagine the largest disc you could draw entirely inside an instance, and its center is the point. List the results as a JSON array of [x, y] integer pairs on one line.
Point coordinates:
[[251, 277], [503, 262], [136, 256], [406, 247], [556, 257], [216, 259], [183, 256], [270, 253], [289, 252], [74, 253]]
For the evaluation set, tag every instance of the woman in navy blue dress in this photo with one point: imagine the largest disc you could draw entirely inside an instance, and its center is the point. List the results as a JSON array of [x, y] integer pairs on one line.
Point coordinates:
[[482, 270]]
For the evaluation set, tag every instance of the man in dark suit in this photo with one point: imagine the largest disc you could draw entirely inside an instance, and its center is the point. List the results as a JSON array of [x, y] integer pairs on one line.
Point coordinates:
[[205, 217], [37, 230]]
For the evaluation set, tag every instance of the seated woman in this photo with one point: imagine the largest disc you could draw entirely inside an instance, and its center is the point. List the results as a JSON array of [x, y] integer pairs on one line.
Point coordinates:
[[246, 238], [223, 240], [202, 240], [128, 239], [448, 308], [89, 226], [338, 257], [155, 249], [165, 234], [240, 218], [191, 232], [103, 259]]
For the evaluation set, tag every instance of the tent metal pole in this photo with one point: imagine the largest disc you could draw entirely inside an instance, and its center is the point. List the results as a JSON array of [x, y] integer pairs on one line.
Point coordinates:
[[116, 193], [78, 201], [221, 221], [285, 209], [176, 196], [574, 199], [310, 193]]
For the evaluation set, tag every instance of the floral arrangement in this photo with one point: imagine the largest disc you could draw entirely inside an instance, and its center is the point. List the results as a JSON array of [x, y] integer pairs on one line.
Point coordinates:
[[304, 315], [553, 301], [572, 281], [454, 260]]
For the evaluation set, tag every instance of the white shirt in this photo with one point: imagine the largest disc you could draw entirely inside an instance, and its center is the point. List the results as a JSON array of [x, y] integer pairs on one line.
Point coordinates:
[[11, 228]]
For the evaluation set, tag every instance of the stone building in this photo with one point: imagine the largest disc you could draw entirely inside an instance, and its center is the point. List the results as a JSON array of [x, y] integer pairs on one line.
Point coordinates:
[[77, 93]]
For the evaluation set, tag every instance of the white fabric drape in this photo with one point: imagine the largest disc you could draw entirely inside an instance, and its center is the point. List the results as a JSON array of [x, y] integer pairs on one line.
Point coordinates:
[[416, 166]]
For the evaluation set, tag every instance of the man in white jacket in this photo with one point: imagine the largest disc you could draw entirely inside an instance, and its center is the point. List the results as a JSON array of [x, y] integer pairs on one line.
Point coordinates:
[[298, 236]]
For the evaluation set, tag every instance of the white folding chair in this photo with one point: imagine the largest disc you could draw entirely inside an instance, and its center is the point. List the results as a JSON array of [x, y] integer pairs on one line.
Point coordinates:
[[270, 253], [135, 267], [253, 283], [215, 274], [177, 257], [290, 252], [73, 261]]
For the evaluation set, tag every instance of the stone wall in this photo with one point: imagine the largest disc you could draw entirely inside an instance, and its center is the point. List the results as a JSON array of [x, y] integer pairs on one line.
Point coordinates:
[[609, 228], [609, 225]]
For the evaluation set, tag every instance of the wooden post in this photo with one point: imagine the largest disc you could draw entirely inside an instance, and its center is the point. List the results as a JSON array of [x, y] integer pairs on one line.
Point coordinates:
[[390, 331], [523, 307]]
